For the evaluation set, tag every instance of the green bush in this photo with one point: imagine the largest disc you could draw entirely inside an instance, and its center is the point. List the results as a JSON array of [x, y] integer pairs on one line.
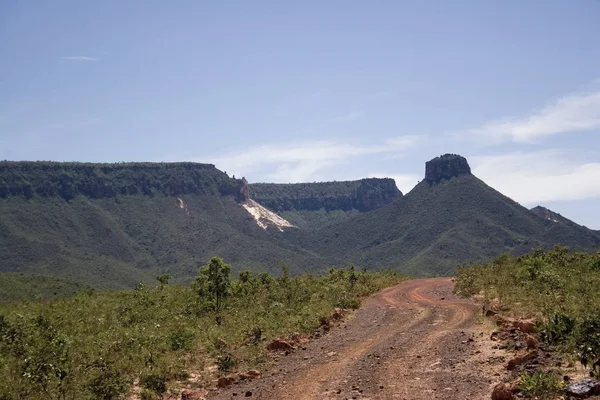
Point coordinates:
[[96, 346], [540, 385], [225, 363], [181, 339], [557, 328], [587, 340], [559, 287], [154, 382], [37, 353], [108, 384]]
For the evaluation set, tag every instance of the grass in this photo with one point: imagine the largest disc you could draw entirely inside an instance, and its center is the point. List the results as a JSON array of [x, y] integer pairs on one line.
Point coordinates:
[[559, 288], [98, 343], [18, 287]]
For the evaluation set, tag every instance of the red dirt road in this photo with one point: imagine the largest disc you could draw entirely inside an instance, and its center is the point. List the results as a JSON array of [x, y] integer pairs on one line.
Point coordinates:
[[413, 341]]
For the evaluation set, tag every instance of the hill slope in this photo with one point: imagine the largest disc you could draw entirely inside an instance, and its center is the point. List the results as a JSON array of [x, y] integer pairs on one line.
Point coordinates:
[[550, 215], [449, 218], [18, 287], [313, 205], [113, 225]]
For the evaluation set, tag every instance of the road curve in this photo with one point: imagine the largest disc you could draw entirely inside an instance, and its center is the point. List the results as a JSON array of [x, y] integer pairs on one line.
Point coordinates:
[[413, 341]]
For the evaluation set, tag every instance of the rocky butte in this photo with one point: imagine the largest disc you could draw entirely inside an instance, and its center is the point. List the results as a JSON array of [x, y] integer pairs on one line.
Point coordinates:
[[446, 167], [363, 195]]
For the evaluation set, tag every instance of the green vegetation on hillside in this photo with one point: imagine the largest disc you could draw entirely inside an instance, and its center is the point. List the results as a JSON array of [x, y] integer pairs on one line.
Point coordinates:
[[437, 226], [96, 344], [113, 225], [316, 219], [560, 288], [362, 195], [67, 180], [18, 287], [117, 242]]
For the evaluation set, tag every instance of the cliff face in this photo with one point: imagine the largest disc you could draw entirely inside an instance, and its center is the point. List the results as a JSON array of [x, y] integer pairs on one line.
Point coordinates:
[[446, 167], [363, 195], [68, 180]]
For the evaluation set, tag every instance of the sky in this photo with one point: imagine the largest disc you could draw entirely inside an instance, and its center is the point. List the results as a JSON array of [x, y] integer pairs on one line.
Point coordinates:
[[295, 91]]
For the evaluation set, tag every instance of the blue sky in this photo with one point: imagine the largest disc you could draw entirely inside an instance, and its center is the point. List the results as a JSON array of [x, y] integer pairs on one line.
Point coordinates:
[[310, 91]]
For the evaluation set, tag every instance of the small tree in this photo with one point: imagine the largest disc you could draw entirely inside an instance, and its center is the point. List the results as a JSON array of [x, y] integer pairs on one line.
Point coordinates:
[[213, 279], [163, 280], [352, 277]]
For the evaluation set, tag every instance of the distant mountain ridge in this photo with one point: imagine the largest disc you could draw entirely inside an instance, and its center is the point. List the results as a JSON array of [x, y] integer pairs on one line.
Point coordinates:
[[113, 225], [96, 180], [362, 195], [314, 205], [449, 218]]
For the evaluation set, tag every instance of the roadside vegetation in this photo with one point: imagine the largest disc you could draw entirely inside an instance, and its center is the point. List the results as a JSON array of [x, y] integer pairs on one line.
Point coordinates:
[[103, 345], [559, 288]]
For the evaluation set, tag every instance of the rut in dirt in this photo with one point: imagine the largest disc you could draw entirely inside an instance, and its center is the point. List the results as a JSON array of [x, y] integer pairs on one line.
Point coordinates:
[[415, 341]]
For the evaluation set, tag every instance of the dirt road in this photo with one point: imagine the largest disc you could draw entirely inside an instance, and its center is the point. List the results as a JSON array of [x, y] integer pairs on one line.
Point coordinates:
[[412, 341]]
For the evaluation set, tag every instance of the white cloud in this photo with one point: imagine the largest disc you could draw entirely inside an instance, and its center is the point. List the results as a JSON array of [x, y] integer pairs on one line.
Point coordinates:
[[300, 162], [573, 113], [539, 177], [80, 58]]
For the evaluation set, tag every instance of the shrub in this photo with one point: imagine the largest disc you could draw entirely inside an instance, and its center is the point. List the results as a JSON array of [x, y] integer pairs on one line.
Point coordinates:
[[225, 363], [540, 385], [37, 351], [154, 382], [181, 339], [346, 300], [557, 328], [558, 286], [587, 340], [108, 385]]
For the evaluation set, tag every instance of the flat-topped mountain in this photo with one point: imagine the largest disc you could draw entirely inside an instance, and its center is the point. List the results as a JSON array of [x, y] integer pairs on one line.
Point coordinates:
[[362, 195], [449, 218], [446, 167], [113, 225], [67, 180], [311, 205]]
